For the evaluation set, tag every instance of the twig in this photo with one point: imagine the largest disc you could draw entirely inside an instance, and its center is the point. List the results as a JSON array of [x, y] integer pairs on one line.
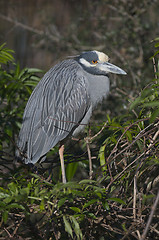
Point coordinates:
[[154, 67], [31, 29], [18, 225], [138, 233], [141, 134], [88, 140], [115, 147], [10, 236], [134, 198], [125, 169], [154, 229], [153, 139], [150, 217], [144, 153], [136, 138], [125, 93], [99, 131]]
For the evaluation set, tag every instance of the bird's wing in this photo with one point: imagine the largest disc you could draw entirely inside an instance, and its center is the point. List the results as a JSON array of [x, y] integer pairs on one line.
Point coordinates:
[[55, 108]]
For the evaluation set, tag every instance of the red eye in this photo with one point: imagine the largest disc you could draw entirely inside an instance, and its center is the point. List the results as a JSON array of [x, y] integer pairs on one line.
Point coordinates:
[[94, 61]]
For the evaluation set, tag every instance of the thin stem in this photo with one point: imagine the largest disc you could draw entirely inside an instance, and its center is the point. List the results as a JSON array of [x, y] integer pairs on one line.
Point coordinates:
[[150, 217]]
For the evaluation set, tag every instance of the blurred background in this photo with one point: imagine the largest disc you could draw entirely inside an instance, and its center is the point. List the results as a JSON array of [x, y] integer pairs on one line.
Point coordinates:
[[43, 32]]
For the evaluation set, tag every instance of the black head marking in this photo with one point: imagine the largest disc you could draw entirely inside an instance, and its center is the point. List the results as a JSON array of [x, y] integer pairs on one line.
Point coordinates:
[[89, 56]]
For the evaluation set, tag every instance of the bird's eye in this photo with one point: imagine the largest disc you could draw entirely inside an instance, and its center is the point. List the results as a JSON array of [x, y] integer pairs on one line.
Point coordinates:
[[94, 61]]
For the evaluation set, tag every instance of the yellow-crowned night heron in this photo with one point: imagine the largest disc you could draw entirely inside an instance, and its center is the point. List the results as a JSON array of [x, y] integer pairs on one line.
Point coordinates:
[[62, 100]]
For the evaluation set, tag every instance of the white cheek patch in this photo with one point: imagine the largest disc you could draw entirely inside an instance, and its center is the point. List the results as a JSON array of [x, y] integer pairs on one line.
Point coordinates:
[[85, 63], [102, 56]]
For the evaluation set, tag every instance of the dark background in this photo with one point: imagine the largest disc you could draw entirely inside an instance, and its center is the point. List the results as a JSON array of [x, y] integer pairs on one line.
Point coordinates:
[[43, 32]]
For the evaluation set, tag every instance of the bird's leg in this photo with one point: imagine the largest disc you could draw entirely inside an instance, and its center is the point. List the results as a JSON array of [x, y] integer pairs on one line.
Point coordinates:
[[61, 151], [87, 139]]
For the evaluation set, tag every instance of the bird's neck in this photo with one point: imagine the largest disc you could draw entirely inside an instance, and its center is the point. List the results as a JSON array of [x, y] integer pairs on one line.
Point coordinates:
[[98, 86]]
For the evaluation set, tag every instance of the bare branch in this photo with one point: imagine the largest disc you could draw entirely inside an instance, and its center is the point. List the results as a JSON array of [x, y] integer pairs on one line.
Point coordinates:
[[31, 29], [150, 217]]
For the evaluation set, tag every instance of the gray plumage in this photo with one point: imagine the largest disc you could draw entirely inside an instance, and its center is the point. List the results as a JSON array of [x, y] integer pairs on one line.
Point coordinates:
[[62, 100]]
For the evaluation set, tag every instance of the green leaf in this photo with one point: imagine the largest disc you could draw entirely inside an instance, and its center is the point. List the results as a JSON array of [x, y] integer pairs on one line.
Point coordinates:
[[156, 39], [35, 176], [17, 70], [136, 102], [75, 209], [5, 54], [106, 205], [13, 188], [61, 202], [154, 115], [35, 198], [86, 181], [140, 144], [71, 170], [102, 157], [2, 205], [90, 203], [118, 200], [15, 205], [5, 216], [1, 46], [91, 215], [129, 135], [151, 104], [25, 191], [124, 227], [68, 228], [156, 45], [34, 70], [98, 194], [3, 195], [157, 52], [23, 72], [8, 199], [108, 118], [30, 83], [147, 197], [76, 228], [42, 205]]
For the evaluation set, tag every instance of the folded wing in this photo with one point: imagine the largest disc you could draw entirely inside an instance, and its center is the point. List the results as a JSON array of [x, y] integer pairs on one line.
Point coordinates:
[[56, 107]]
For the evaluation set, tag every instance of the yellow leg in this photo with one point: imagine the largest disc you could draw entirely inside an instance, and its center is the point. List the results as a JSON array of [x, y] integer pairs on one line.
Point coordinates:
[[61, 151], [89, 157]]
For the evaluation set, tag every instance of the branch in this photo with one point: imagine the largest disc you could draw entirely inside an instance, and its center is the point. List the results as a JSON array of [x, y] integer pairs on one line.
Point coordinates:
[[31, 29], [150, 217]]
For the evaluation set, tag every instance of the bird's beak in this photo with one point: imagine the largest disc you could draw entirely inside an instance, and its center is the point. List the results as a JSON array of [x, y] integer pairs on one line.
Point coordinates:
[[110, 68]]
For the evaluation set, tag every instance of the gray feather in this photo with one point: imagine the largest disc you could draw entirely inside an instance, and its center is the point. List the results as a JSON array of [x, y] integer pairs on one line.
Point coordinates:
[[56, 106]]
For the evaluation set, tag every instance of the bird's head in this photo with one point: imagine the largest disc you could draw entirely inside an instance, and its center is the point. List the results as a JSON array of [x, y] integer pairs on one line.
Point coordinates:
[[97, 63]]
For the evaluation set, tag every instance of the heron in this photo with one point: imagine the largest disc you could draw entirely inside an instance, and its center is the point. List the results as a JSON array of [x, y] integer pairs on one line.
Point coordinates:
[[62, 103]]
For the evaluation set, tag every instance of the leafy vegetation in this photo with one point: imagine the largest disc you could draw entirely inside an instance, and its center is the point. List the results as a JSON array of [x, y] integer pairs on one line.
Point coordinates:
[[115, 204], [15, 89]]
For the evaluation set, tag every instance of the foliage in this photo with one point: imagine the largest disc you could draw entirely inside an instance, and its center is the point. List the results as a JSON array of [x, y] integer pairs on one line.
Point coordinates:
[[115, 204], [34, 196], [149, 96], [15, 88]]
